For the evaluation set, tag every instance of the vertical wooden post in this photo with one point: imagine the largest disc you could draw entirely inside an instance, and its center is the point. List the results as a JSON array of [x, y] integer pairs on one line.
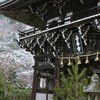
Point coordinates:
[[56, 72], [47, 87], [35, 80]]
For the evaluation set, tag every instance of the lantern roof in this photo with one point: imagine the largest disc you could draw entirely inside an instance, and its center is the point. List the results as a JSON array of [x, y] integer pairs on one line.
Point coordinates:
[[45, 66]]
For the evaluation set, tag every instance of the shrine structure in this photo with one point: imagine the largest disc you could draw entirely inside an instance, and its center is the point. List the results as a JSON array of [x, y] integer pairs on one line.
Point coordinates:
[[63, 31]]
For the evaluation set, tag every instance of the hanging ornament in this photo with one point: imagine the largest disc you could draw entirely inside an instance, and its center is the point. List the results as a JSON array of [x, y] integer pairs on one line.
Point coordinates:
[[69, 62], [87, 60], [79, 61], [97, 58], [61, 63]]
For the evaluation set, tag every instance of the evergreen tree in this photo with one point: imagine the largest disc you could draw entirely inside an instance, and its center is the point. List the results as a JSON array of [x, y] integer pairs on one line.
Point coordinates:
[[5, 88], [72, 87]]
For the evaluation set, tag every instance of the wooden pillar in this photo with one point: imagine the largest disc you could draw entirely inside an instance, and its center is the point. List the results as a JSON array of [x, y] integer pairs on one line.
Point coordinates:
[[35, 80], [47, 87], [56, 72]]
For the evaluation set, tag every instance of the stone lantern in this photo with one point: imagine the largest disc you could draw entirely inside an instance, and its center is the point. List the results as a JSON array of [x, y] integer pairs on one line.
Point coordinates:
[[93, 90]]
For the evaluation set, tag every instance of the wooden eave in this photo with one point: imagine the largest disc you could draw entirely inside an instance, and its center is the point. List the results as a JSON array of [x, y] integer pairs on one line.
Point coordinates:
[[68, 25], [25, 17], [18, 4], [18, 11], [21, 11]]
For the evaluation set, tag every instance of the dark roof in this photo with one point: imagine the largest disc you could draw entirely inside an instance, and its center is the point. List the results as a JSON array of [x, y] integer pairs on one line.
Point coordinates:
[[11, 4], [17, 9], [25, 18], [25, 10], [46, 66]]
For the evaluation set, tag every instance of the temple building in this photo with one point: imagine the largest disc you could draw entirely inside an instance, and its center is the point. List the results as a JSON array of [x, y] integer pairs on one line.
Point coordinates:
[[63, 31]]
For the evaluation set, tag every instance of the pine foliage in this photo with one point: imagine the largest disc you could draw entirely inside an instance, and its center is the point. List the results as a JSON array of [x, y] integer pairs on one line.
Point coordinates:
[[5, 88], [71, 88]]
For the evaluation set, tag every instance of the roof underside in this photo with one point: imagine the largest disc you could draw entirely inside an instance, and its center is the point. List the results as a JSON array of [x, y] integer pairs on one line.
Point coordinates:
[[25, 18], [27, 11], [20, 11]]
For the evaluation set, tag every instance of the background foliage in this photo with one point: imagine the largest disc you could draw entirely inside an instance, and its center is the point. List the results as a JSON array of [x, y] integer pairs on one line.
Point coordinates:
[[8, 92]]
